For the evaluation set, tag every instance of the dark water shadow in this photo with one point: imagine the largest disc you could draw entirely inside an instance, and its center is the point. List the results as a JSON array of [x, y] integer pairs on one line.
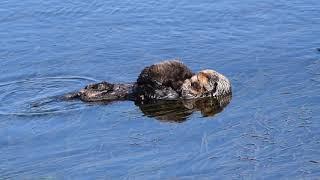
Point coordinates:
[[177, 111], [180, 110]]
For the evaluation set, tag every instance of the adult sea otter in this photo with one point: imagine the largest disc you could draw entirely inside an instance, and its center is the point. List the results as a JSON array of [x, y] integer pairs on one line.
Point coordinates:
[[167, 80]]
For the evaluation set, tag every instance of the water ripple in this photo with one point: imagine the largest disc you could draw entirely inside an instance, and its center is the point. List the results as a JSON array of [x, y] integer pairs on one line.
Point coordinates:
[[40, 96]]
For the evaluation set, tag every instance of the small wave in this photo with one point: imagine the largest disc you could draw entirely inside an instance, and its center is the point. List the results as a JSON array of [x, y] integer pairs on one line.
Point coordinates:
[[70, 9], [313, 69], [40, 96], [62, 78]]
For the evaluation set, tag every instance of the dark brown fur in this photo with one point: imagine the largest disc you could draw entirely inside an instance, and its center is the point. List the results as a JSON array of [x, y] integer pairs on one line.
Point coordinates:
[[167, 73], [165, 78]]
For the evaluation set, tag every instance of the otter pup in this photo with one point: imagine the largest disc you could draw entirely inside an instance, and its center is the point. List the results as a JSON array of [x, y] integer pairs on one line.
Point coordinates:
[[167, 80], [206, 83]]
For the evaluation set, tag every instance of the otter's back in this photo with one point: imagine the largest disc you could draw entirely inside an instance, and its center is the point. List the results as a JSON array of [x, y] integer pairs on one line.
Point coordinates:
[[168, 73], [162, 80]]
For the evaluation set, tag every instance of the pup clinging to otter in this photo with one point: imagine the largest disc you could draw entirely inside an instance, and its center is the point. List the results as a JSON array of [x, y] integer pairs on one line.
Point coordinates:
[[168, 80]]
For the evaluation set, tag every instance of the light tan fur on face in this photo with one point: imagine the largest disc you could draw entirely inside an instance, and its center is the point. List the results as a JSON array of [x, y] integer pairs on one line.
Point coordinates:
[[206, 82], [195, 86], [203, 78]]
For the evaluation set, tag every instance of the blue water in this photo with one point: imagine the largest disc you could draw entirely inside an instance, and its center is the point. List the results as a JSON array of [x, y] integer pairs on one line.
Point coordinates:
[[268, 49]]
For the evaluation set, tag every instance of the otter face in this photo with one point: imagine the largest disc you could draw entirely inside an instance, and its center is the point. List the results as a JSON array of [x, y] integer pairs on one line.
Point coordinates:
[[206, 83]]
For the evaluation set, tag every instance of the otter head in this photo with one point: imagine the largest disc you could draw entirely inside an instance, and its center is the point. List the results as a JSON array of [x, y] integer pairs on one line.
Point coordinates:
[[206, 83]]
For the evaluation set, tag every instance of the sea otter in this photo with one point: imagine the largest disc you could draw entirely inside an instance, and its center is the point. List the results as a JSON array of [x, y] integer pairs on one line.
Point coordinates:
[[168, 80]]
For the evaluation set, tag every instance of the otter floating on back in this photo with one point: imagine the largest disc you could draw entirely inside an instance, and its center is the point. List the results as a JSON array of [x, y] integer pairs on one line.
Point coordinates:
[[168, 80]]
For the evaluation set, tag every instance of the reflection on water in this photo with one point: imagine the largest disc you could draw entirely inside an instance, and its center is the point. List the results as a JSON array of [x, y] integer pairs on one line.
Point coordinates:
[[181, 110], [173, 110]]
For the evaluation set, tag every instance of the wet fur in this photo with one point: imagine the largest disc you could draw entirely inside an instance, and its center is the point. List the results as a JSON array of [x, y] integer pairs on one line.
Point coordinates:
[[167, 80], [162, 80], [206, 83]]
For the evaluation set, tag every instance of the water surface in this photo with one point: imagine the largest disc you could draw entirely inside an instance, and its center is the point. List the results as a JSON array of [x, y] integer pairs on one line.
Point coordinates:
[[270, 129]]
